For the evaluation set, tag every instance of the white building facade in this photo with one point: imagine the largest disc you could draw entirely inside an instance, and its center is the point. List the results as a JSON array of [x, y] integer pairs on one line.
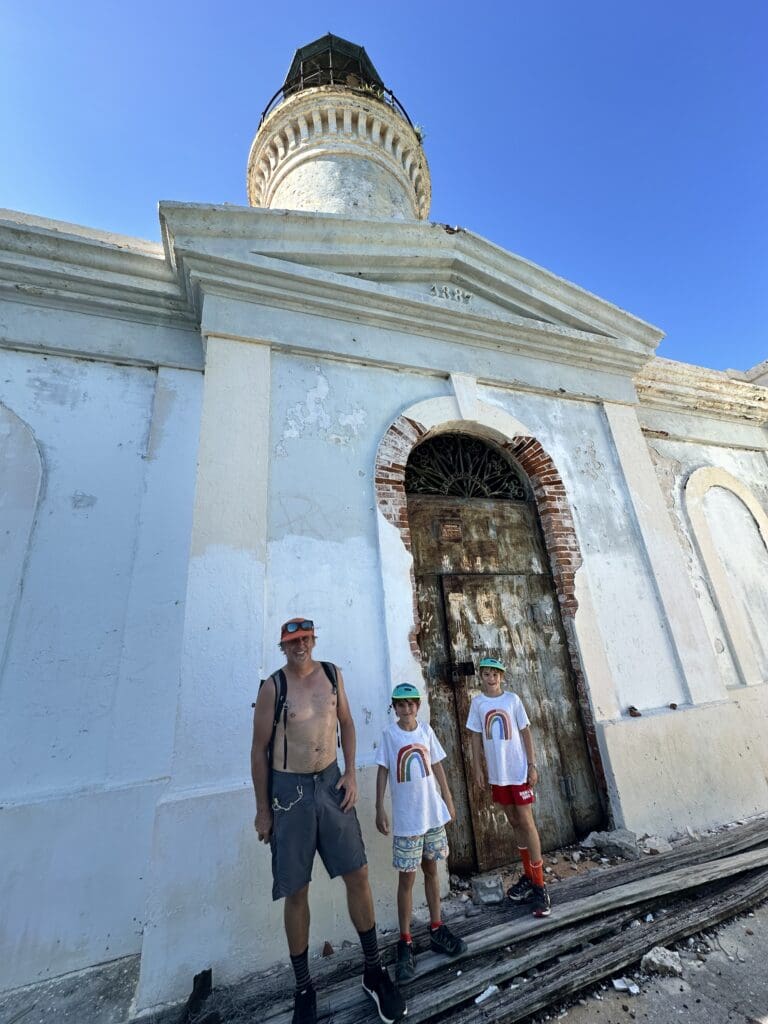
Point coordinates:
[[203, 438]]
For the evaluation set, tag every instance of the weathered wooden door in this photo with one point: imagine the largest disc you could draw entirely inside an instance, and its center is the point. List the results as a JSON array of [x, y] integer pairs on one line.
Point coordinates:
[[484, 588]]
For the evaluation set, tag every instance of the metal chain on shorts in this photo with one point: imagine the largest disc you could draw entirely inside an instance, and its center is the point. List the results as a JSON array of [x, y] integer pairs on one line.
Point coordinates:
[[277, 806]]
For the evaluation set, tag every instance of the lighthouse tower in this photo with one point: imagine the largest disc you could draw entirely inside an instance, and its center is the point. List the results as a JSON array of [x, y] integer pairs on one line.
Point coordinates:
[[334, 139]]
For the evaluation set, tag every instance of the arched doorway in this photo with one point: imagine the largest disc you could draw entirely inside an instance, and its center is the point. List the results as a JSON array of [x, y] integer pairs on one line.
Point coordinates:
[[484, 586]]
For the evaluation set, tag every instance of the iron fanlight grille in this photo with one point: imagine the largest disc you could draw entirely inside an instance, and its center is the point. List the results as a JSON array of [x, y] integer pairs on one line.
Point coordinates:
[[463, 467]]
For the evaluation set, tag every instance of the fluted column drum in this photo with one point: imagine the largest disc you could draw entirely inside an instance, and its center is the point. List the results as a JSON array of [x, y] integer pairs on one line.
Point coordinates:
[[331, 150]]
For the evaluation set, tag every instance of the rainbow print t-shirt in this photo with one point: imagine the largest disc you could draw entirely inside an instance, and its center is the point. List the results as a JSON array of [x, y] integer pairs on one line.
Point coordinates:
[[417, 805], [499, 720]]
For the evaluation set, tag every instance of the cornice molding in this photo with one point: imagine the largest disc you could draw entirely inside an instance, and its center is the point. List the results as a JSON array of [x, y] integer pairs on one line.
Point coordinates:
[[282, 285], [681, 387], [50, 263], [306, 261]]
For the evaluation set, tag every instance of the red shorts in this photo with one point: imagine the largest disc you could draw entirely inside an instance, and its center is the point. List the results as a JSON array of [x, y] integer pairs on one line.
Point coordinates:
[[521, 796]]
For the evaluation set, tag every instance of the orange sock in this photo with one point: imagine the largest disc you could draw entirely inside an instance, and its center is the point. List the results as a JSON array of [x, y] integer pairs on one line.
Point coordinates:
[[526, 859], [537, 872]]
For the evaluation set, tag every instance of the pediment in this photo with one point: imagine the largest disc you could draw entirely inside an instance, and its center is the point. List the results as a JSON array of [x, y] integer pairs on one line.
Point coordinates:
[[437, 278]]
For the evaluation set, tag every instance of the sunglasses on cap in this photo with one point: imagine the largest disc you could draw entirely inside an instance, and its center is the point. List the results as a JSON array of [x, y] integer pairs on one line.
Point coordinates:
[[295, 627]]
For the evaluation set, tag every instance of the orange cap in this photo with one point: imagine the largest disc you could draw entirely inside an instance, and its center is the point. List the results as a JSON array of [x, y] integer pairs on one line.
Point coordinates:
[[296, 628]]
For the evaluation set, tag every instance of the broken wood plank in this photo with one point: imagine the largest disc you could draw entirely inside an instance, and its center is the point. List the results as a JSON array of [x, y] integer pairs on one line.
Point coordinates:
[[263, 994], [585, 968], [617, 896], [707, 848], [450, 989], [346, 1001]]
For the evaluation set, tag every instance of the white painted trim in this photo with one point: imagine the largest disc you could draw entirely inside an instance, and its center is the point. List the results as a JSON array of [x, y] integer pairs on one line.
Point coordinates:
[[729, 608], [688, 637], [465, 388]]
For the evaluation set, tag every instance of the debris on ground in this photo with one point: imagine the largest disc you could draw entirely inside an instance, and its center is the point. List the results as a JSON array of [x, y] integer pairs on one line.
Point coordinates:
[[662, 961], [618, 843], [655, 845], [488, 889], [486, 994]]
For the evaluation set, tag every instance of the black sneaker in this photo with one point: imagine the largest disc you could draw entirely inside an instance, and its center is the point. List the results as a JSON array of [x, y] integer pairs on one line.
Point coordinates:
[[383, 991], [442, 940], [305, 1007], [521, 891], [542, 906], [405, 968]]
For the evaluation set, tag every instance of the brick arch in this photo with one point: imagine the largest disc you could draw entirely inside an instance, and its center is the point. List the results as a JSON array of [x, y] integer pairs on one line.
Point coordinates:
[[548, 491]]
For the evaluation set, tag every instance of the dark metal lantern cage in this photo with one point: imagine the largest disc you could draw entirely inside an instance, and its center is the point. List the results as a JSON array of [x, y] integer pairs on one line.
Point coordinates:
[[332, 60]]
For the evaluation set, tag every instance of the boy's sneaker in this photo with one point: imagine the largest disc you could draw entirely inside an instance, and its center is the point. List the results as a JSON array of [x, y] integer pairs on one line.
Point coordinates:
[[542, 906], [521, 891], [442, 940], [305, 1007], [405, 968], [383, 991]]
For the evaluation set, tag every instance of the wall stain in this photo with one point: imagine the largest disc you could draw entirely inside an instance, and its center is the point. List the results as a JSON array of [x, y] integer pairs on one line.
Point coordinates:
[[82, 500]]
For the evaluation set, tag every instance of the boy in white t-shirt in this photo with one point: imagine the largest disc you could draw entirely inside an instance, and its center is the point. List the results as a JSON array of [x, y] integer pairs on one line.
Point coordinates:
[[500, 735], [421, 805]]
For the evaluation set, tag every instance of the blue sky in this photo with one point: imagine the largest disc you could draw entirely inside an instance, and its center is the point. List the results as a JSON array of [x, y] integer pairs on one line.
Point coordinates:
[[620, 145]]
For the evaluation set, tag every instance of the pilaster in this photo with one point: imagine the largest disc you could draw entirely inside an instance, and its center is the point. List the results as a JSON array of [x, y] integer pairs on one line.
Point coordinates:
[[679, 607], [203, 840]]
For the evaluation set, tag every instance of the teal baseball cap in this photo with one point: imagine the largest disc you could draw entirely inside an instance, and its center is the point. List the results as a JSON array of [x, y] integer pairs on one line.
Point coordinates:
[[492, 663], [406, 691]]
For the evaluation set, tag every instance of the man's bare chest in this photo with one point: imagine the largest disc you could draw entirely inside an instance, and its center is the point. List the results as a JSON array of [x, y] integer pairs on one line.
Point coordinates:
[[310, 701]]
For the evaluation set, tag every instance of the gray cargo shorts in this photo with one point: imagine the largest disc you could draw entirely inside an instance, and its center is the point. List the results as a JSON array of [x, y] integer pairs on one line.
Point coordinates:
[[307, 819]]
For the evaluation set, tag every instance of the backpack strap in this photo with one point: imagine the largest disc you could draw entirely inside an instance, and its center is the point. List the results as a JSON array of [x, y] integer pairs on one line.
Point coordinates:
[[281, 708], [281, 691], [330, 670]]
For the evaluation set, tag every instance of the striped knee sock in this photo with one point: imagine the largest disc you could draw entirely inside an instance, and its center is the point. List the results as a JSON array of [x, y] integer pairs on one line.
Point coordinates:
[[370, 945], [300, 966]]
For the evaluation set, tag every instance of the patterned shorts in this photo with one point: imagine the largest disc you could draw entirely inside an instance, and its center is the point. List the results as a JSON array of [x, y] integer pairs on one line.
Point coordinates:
[[409, 851]]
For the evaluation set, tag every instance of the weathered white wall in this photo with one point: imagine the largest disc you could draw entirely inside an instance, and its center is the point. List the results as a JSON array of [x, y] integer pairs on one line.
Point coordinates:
[[632, 629], [733, 531], [87, 693], [159, 571], [696, 767], [742, 551], [704, 765]]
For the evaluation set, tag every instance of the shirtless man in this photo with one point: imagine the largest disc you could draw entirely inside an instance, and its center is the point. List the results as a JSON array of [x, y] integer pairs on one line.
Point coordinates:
[[312, 810]]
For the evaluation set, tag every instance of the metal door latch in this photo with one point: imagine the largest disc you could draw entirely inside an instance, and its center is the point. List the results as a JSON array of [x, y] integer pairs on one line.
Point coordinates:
[[463, 668], [567, 788]]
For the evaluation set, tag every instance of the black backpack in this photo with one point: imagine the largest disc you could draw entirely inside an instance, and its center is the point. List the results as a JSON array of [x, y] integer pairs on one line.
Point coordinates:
[[281, 691]]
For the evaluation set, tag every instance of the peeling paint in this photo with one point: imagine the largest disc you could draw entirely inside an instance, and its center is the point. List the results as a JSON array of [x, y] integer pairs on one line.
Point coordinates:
[[312, 418]]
